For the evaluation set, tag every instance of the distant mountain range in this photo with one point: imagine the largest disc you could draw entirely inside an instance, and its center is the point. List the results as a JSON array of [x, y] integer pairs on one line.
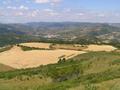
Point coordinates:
[[66, 31]]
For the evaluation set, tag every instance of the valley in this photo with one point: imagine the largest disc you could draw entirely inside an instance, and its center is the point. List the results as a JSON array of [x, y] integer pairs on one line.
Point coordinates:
[[59, 56], [60, 32], [59, 44]]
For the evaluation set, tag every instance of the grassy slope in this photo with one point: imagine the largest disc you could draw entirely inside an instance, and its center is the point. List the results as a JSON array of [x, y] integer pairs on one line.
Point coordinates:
[[90, 71]]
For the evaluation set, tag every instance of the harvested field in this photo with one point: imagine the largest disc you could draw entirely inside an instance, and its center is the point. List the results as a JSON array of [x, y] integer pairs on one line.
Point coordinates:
[[18, 58], [71, 46], [100, 48]]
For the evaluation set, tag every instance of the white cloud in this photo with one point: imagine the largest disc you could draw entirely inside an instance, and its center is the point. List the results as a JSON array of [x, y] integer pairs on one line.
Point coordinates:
[[56, 1], [48, 10], [42, 1], [11, 7], [80, 14], [23, 7], [47, 1]]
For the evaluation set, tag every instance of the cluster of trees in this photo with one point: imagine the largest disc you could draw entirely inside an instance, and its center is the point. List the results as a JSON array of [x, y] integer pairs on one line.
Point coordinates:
[[26, 48]]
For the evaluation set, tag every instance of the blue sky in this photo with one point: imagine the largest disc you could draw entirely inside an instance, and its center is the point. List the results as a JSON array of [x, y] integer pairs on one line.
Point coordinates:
[[21, 11]]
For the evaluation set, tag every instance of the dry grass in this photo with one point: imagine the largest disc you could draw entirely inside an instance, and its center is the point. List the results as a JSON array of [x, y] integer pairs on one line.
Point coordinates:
[[27, 59], [100, 48], [17, 58]]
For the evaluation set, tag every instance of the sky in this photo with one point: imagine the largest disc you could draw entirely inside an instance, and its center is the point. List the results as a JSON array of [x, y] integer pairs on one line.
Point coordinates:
[[22, 11]]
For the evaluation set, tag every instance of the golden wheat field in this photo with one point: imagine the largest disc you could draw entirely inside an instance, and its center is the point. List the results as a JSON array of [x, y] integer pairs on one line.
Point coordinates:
[[17, 58], [107, 48]]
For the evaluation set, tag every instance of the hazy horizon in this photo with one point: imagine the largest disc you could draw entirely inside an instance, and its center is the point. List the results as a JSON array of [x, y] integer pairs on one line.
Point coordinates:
[[58, 22]]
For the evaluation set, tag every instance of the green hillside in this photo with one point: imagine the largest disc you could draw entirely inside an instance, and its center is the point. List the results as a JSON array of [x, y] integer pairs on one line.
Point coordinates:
[[90, 71]]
